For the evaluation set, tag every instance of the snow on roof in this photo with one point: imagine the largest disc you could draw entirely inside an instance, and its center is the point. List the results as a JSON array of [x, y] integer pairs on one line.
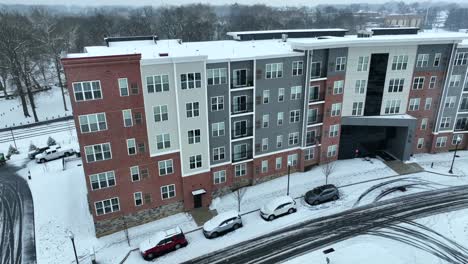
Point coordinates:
[[156, 238], [404, 116], [235, 33], [273, 204], [216, 221], [464, 43]]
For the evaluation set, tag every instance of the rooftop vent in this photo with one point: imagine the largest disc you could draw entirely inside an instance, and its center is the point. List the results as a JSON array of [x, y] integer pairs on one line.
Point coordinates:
[[165, 54], [109, 40], [284, 37], [364, 34]]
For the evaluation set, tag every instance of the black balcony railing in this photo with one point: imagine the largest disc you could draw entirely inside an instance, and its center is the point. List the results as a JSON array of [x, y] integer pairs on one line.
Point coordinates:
[[242, 108], [245, 155], [243, 132], [316, 120], [246, 83], [313, 141]]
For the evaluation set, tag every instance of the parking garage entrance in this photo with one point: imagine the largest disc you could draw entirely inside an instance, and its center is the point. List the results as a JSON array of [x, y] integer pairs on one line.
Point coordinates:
[[389, 137]]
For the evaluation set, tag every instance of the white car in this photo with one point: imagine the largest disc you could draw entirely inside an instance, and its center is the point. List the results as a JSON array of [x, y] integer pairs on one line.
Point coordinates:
[[53, 152], [222, 223], [278, 207]]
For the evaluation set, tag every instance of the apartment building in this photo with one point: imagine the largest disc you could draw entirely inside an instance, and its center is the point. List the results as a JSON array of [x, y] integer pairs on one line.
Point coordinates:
[[165, 126]]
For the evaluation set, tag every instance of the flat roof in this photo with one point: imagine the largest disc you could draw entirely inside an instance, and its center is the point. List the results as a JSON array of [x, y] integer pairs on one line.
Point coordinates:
[[235, 33]]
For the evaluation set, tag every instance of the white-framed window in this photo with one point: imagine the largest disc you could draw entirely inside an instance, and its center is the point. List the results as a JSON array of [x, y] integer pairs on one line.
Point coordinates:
[[455, 139], [102, 180], [280, 94], [217, 103], [293, 138], [314, 93], [160, 113], [127, 117], [219, 177], [445, 122], [455, 80], [400, 62], [424, 122], [163, 141], [123, 86], [192, 109], [240, 151], [264, 166], [334, 129], [280, 118], [107, 206], [363, 63], [432, 82], [218, 153], [392, 106], [217, 129], [239, 78], [135, 173], [437, 58], [461, 58], [93, 122], [340, 63], [357, 108], [157, 83], [131, 146], [240, 128], [396, 85], [414, 104], [312, 115], [274, 70], [266, 96], [336, 109], [315, 69], [98, 152], [195, 161], [190, 80], [278, 163], [294, 116], [441, 142], [331, 151], [418, 83], [168, 191], [165, 167], [428, 104], [422, 60], [279, 141], [265, 120], [338, 87], [462, 123], [297, 68], [86, 91], [296, 92], [194, 136], [138, 198], [309, 154], [360, 87], [450, 101], [292, 159], [264, 144], [420, 144], [240, 170], [216, 76]]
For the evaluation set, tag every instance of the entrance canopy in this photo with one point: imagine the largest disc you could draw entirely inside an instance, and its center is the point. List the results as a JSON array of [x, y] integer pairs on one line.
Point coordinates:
[[199, 191]]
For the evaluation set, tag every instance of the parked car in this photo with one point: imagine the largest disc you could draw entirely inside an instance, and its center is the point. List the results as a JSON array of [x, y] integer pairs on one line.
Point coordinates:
[[53, 152], [163, 242], [322, 194], [278, 207], [221, 224], [32, 154]]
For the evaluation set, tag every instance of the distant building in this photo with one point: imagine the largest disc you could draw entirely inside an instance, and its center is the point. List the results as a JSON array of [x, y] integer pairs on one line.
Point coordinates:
[[408, 20]]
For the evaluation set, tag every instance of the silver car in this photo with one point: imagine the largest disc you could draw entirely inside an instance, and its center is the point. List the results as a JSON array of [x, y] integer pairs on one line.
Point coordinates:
[[221, 224], [322, 194]]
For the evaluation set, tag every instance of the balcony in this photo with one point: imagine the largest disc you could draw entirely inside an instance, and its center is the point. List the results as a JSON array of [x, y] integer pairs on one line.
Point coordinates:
[[313, 141], [241, 108], [242, 132], [314, 120], [461, 124], [241, 156], [241, 83]]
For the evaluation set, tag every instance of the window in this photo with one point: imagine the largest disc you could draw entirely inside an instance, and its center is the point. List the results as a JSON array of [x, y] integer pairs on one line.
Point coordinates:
[[134, 88], [278, 163], [216, 76], [445, 122], [340, 64], [85, 91], [424, 123], [309, 154], [292, 159], [163, 141], [264, 144], [400, 62], [168, 191], [266, 96], [331, 151], [294, 116], [396, 85], [217, 129], [281, 95], [98, 152], [138, 197], [107, 206], [297, 68], [264, 166], [193, 136], [217, 103], [450, 101], [240, 151], [160, 113], [441, 142], [131, 146], [219, 177], [311, 138], [360, 87], [455, 80], [462, 123], [239, 78], [437, 57], [239, 104], [190, 80], [336, 109], [414, 104], [138, 118], [312, 115], [432, 82], [93, 122], [192, 109], [363, 63], [427, 105], [135, 173], [357, 108], [418, 83], [240, 170], [279, 119], [127, 117], [461, 58], [218, 153], [102, 180], [334, 130], [157, 83], [392, 106], [165, 167], [296, 92], [338, 87], [456, 138], [265, 120], [274, 70], [464, 104], [293, 138], [423, 60], [279, 141], [123, 86], [315, 70], [240, 128], [420, 144], [195, 161], [314, 93]]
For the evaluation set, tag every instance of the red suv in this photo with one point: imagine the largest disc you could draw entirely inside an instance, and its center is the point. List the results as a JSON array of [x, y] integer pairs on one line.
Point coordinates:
[[163, 242]]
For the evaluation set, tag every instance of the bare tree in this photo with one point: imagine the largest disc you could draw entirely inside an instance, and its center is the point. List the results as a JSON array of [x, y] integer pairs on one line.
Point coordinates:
[[327, 168], [239, 193]]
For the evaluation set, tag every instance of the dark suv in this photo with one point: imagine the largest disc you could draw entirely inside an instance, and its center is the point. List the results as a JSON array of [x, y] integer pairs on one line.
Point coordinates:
[[163, 242], [322, 194]]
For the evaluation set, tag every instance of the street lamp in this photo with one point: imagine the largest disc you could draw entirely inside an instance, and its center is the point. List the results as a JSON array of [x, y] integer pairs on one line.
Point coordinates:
[[289, 172], [72, 238], [458, 140]]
